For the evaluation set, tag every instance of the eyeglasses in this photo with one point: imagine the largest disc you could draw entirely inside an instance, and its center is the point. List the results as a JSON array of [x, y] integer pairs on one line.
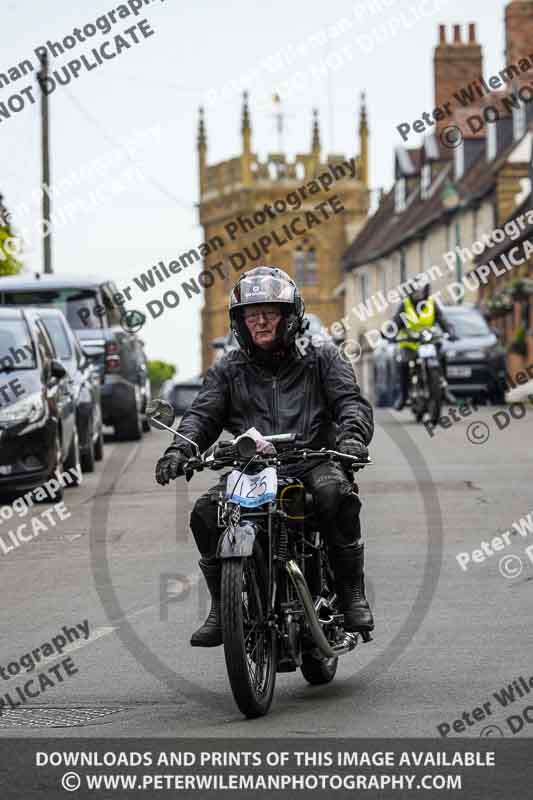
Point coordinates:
[[253, 316]]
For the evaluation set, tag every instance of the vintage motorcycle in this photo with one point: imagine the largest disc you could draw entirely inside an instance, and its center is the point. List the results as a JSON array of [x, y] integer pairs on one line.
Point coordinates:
[[426, 379], [278, 602]]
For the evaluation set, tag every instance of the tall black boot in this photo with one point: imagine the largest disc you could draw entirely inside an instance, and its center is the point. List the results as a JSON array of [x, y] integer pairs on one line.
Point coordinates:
[[348, 567], [210, 633]]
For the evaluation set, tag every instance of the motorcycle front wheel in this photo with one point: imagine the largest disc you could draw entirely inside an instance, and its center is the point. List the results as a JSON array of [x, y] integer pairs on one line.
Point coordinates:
[[435, 396], [249, 643]]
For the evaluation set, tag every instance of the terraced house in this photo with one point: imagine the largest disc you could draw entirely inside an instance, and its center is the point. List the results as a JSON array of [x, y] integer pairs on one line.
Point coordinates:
[[455, 197]]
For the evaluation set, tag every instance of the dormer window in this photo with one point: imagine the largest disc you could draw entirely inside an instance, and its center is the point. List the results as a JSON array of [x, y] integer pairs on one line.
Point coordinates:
[[459, 161], [492, 141], [425, 183], [519, 122], [399, 195]]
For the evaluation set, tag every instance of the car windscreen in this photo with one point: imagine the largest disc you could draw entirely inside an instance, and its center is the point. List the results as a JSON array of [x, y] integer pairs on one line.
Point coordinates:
[[59, 337], [469, 324], [183, 396], [16, 348], [78, 305]]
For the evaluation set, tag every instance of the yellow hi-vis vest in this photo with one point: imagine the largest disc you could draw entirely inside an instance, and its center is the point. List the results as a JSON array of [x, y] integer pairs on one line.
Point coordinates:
[[417, 322]]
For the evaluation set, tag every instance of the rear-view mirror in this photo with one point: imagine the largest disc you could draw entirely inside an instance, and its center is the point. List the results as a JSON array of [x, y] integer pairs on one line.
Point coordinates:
[[160, 411]]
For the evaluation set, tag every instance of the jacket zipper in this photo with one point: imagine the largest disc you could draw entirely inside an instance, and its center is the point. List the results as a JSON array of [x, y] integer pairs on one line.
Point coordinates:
[[306, 405], [275, 403]]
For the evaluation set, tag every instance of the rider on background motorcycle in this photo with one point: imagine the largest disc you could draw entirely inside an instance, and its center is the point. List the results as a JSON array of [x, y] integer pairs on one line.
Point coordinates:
[[269, 385], [418, 310]]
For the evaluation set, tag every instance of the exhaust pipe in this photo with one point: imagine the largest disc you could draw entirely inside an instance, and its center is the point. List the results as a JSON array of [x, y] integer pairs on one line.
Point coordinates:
[[350, 639]]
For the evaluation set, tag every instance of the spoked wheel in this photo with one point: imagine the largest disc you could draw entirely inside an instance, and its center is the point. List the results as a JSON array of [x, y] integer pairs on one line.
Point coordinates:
[[249, 644]]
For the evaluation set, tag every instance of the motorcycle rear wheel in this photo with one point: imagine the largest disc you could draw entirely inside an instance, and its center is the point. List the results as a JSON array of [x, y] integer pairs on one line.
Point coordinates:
[[250, 646]]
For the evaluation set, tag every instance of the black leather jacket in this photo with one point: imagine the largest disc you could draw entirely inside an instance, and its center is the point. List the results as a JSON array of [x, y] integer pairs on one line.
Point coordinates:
[[315, 396]]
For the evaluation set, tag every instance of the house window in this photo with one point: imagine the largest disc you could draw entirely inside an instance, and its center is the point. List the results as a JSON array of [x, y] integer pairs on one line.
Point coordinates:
[[519, 122], [311, 271], [363, 286], [305, 264], [403, 267], [458, 260], [399, 195], [459, 161], [492, 141], [425, 181]]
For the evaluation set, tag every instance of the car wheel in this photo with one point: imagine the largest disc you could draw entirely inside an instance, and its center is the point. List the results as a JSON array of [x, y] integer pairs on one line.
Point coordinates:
[[497, 397], [99, 445], [54, 495], [87, 454], [73, 461], [130, 429]]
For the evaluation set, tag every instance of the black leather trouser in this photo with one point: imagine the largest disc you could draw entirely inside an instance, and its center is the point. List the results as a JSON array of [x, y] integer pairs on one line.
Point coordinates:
[[335, 497]]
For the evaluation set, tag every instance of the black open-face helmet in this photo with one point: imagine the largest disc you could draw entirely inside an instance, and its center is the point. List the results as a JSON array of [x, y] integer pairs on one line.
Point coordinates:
[[420, 288], [267, 285]]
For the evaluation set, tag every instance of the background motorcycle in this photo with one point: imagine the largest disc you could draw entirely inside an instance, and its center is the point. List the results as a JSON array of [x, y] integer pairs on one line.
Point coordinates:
[[426, 378], [278, 603]]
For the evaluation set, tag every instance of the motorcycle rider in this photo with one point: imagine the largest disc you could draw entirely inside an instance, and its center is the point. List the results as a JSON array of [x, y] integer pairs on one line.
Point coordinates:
[[418, 310], [271, 385]]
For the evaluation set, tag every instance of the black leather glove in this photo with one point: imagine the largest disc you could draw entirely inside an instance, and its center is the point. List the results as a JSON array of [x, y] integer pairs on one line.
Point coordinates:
[[353, 447], [170, 466]]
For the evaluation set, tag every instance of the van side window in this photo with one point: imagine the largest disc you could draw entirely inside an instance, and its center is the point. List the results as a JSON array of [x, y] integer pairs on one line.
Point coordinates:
[[45, 345], [113, 311]]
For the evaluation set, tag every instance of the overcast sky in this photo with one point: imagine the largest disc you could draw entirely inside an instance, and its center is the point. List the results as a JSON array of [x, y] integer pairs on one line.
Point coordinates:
[[207, 52]]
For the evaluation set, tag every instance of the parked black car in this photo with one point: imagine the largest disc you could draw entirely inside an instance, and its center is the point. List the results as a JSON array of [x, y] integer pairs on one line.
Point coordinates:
[[94, 308], [37, 406], [475, 361], [85, 381]]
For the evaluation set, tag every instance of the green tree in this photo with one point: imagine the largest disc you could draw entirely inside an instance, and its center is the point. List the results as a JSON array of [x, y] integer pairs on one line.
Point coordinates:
[[159, 372], [9, 265]]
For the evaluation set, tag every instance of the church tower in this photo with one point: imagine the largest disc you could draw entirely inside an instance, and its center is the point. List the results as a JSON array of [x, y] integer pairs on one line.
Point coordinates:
[[244, 199]]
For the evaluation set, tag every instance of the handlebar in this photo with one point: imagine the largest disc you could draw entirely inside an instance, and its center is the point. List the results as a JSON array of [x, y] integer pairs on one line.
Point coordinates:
[[303, 454], [427, 335]]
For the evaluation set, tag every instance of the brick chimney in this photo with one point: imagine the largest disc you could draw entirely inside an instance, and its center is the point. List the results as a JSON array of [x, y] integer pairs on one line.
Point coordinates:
[[518, 30], [456, 64]]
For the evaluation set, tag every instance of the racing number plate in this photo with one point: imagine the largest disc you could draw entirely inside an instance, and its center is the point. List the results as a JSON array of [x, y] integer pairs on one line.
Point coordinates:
[[427, 351], [252, 490], [458, 372]]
